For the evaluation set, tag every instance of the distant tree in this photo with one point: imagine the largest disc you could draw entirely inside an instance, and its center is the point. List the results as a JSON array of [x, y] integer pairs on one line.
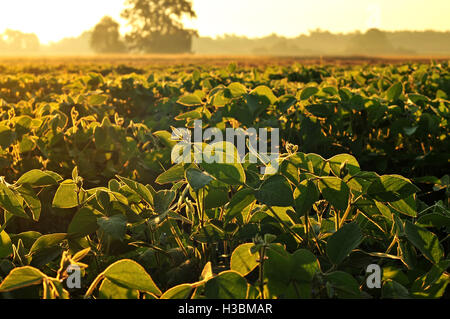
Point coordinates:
[[17, 41], [105, 37], [372, 42], [71, 45], [156, 25]]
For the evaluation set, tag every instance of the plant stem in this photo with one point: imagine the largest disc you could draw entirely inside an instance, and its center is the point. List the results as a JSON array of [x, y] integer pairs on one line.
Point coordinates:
[[177, 238], [293, 233], [262, 257], [93, 285]]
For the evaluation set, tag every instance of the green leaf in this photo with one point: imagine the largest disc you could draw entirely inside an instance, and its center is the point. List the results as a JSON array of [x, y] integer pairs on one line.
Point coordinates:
[[209, 234], [163, 199], [241, 200], [435, 273], [391, 188], [129, 274], [285, 102], [215, 197], [172, 175], [83, 223], [316, 164], [304, 265], [7, 136], [277, 270], [344, 285], [182, 291], [109, 290], [226, 285], [10, 202], [38, 178], [166, 138], [189, 115], [31, 200], [190, 100], [21, 277], [435, 290], [335, 191], [306, 194], [28, 238], [197, 179], [6, 247], [405, 206], [308, 92], [237, 89], [230, 171], [221, 98], [47, 241], [394, 290], [342, 242], [97, 99], [275, 191], [264, 92], [143, 192], [394, 92], [66, 195], [434, 220], [350, 162], [284, 271], [242, 259], [425, 241], [115, 226]]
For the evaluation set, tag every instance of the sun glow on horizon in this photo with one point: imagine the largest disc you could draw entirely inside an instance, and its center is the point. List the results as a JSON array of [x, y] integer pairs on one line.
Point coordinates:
[[53, 20]]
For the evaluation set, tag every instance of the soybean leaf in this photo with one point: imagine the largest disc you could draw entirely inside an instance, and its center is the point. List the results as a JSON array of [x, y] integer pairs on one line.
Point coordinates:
[[308, 92], [344, 285], [241, 200], [163, 199], [342, 242], [344, 162], [335, 191], [182, 291], [66, 195], [6, 247], [143, 192], [38, 178], [83, 223], [172, 175], [129, 274], [306, 194], [391, 188], [230, 171], [197, 179], [115, 226], [47, 241], [190, 100], [21, 277], [425, 241], [394, 92], [30, 200], [97, 99], [109, 290], [243, 260], [226, 285], [10, 202], [275, 191]]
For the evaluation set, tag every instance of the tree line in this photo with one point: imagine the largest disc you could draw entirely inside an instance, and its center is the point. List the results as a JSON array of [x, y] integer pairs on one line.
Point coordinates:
[[155, 27]]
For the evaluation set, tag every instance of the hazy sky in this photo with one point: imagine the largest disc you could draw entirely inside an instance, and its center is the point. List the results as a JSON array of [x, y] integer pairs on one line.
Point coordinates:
[[52, 20]]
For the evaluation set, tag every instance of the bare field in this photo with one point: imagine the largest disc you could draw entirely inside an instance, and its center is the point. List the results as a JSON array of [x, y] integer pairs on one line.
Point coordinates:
[[219, 60]]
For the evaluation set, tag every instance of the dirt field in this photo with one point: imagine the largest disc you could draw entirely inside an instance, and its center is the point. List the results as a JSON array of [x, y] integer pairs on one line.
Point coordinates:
[[189, 59]]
